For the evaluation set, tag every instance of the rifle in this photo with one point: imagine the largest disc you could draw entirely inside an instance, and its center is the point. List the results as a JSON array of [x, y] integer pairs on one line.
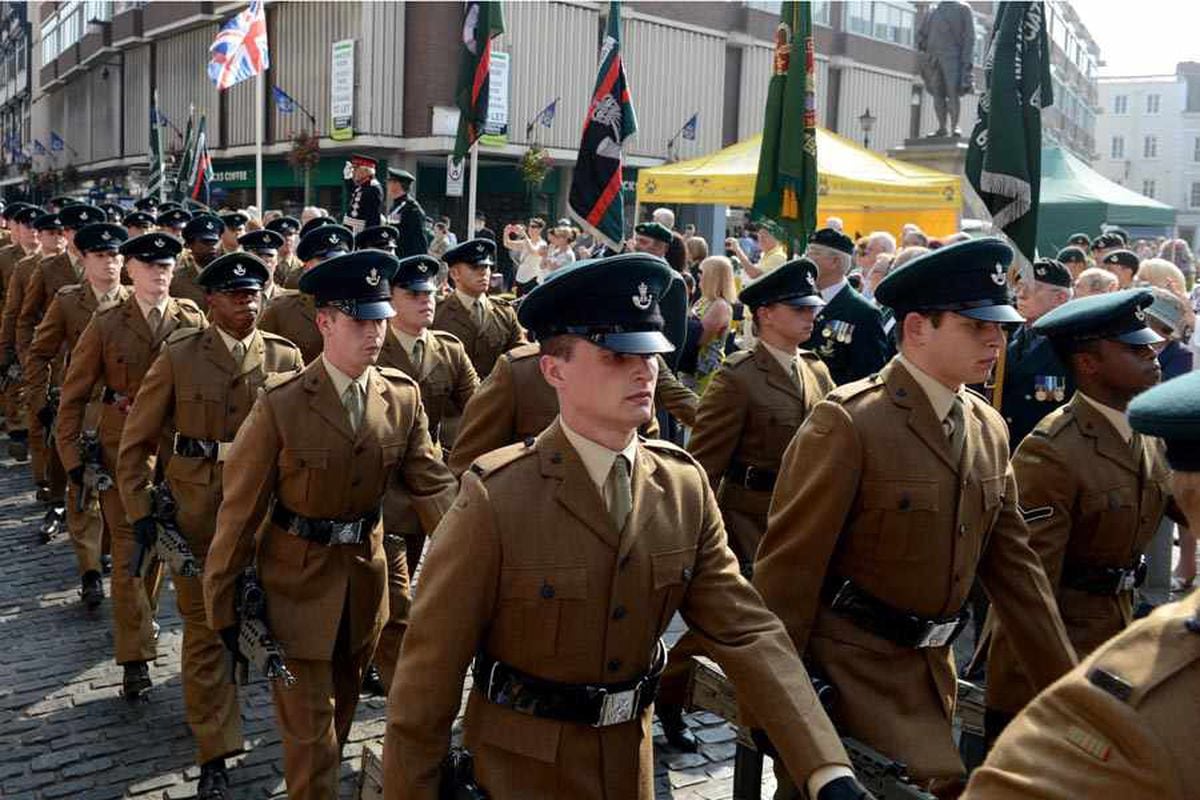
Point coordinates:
[[53, 393], [256, 645], [95, 476], [169, 544], [10, 375], [883, 777]]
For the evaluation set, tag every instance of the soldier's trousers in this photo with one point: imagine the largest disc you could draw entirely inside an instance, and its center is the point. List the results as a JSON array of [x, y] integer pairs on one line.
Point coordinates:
[[315, 715], [209, 694], [134, 600], [45, 464], [399, 601], [86, 529]]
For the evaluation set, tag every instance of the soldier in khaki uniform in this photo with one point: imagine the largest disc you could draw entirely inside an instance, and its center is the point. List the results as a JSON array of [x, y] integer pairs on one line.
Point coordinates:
[[564, 559], [487, 326], [293, 314], [1122, 724], [24, 244], [70, 311], [202, 387], [894, 494], [138, 223], [293, 278], [172, 219], [235, 226], [201, 235], [112, 355], [323, 445], [287, 264], [1092, 491], [264, 244]]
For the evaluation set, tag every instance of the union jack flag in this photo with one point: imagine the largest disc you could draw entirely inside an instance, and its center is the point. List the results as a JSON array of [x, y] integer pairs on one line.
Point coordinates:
[[240, 49]]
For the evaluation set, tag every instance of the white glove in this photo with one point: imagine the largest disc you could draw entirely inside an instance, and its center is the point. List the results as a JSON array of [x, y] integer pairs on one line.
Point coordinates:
[[348, 171]]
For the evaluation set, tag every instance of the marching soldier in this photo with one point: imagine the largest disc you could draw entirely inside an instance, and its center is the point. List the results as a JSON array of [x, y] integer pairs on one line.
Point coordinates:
[[24, 243], [202, 387], [138, 223], [848, 333], [406, 214], [149, 204], [366, 195], [560, 566], [293, 314], [235, 225], [264, 244], [293, 278], [1120, 724], [69, 313], [173, 221], [288, 263], [324, 444], [201, 238], [895, 492], [111, 357], [379, 237], [1035, 380], [1092, 491], [487, 326]]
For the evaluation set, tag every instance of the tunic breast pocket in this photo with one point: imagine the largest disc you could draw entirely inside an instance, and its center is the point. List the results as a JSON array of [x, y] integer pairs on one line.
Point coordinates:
[[201, 409], [302, 471], [672, 572], [1115, 508], [390, 453], [899, 517], [539, 606]]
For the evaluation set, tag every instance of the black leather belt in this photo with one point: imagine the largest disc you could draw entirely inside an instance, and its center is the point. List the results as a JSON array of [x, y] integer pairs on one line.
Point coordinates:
[[112, 396], [750, 477], [210, 449], [1104, 580], [325, 531], [598, 705], [877, 617]]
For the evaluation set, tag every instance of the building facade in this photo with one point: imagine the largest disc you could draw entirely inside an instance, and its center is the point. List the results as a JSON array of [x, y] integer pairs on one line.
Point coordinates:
[[15, 95], [1149, 137]]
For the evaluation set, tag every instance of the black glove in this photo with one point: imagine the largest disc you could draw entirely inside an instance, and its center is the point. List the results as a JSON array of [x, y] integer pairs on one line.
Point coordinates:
[[45, 416], [145, 530], [229, 635], [76, 475], [844, 788]]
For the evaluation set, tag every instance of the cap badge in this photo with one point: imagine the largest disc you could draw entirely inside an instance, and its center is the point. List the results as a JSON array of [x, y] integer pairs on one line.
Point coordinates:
[[1140, 314], [1041, 272], [105, 235], [998, 276], [372, 277], [643, 299], [333, 239], [239, 270], [160, 242], [422, 267]]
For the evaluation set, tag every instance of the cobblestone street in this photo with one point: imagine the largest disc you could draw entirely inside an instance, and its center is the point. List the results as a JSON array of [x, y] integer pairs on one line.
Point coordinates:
[[65, 731]]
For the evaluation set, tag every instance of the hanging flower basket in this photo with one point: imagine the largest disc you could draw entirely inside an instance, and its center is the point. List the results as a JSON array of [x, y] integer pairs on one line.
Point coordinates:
[[535, 166], [306, 151]]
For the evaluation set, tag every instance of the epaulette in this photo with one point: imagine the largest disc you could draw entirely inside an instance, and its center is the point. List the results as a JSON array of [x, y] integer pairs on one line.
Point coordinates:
[[489, 463], [670, 448], [500, 300], [524, 351], [189, 305], [277, 379], [393, 374], [1121, 668], [809, 355], [104, 312], [846, 392], [445, 336], [180, 334], [1053, 423], [275, 337], [738, 358], [69, 289]]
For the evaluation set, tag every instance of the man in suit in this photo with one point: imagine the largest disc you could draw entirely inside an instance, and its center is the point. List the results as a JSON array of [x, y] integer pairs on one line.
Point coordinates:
[[201, 387], [848, 333], [319, 450], [487, 326], [365, 193], [1119, 724], [406, 214], [560, 566], [1092, 491], [895, 492], [111, 358], [70, 311]]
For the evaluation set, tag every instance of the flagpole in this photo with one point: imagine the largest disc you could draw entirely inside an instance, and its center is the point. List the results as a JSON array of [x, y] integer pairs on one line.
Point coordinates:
[[471, 191], [259, 101]]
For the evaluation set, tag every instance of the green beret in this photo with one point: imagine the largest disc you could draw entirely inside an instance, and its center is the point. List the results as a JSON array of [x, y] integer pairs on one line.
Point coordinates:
[[654, 230]]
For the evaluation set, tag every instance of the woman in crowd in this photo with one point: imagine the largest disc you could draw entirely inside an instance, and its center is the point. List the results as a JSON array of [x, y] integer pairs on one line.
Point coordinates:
[[714, 310], [559, 253], [441, 240], [527, 249], [697, 251]]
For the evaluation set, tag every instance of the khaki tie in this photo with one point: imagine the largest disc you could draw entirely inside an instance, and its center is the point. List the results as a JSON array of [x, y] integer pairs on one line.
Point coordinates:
[[353, 401], [795, 372], [955, 426], [418, 354], [479, 311], [153, 320], [239, 353], [1137, 444], [619, 492]]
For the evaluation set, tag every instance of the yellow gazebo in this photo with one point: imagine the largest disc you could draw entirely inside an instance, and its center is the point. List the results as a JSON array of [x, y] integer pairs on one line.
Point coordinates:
[[868, 191]]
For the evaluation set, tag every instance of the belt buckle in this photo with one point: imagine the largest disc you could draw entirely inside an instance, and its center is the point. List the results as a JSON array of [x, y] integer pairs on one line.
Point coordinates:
[[175, 444], [748, 478], [939, 634], [344, 533], [618, 707], [1128, 581]]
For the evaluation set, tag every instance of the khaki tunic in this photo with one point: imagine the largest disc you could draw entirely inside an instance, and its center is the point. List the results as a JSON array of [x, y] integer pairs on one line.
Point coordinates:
[[10, 254], [1123, 724], [293, 316], [484, 344], [1087, 499], [289, 271], [183, 281], [51, 275], [529, 567], [14, 297], [869, 492], [748, 415], [297, 448]]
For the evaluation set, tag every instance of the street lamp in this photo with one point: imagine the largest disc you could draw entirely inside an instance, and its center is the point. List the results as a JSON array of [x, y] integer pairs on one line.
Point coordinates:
[[867, 122]]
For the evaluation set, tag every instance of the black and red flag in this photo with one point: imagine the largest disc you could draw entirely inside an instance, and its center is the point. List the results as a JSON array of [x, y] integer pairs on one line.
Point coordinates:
[[481, 22]]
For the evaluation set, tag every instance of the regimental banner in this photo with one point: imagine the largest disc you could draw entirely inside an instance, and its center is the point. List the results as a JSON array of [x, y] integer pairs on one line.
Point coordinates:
[[341, 91]]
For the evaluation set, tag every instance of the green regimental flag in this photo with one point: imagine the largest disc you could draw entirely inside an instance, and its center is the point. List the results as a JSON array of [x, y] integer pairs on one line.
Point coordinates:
[[186, 158], [481, 21], [155, 182], [786, 188], [1004, 161]]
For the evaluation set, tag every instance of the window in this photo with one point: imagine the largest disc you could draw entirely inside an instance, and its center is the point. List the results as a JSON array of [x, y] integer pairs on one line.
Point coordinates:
[[1150, 147], [1118, 147], [1121, 104], [1148, 187], [1195, 198], [49, 40], [887, 22], [1152, 102], [98, 11], [1196, 149], [822, 15], [858, 17]]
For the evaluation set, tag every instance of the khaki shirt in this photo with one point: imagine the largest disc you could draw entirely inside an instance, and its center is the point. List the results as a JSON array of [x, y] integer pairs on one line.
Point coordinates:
[[484, 343]]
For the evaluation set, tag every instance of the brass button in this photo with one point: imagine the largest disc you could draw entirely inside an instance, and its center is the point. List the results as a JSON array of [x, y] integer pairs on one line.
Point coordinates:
[[618, 613], [547, 591], [614, 665]]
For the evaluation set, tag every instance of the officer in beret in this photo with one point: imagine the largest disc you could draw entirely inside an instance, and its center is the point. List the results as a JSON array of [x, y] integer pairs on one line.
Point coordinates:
[[439, 364], [1118, 725], [751, 409], [1104, 244], [406, 214], [235, 225], [652, 238], [1092, 491], [1036, 381], [173, 221], [202, 236], [576, 522], [138, 223], [1081, 241], [1121, 263], [293, 314], [324, 445], [893, 495], [487, 326], [264, 244], [70, 311], [288, 263], [366, 195], [1075, 259], [112, 355], [848, 334], [226, 364], [379, 237]]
